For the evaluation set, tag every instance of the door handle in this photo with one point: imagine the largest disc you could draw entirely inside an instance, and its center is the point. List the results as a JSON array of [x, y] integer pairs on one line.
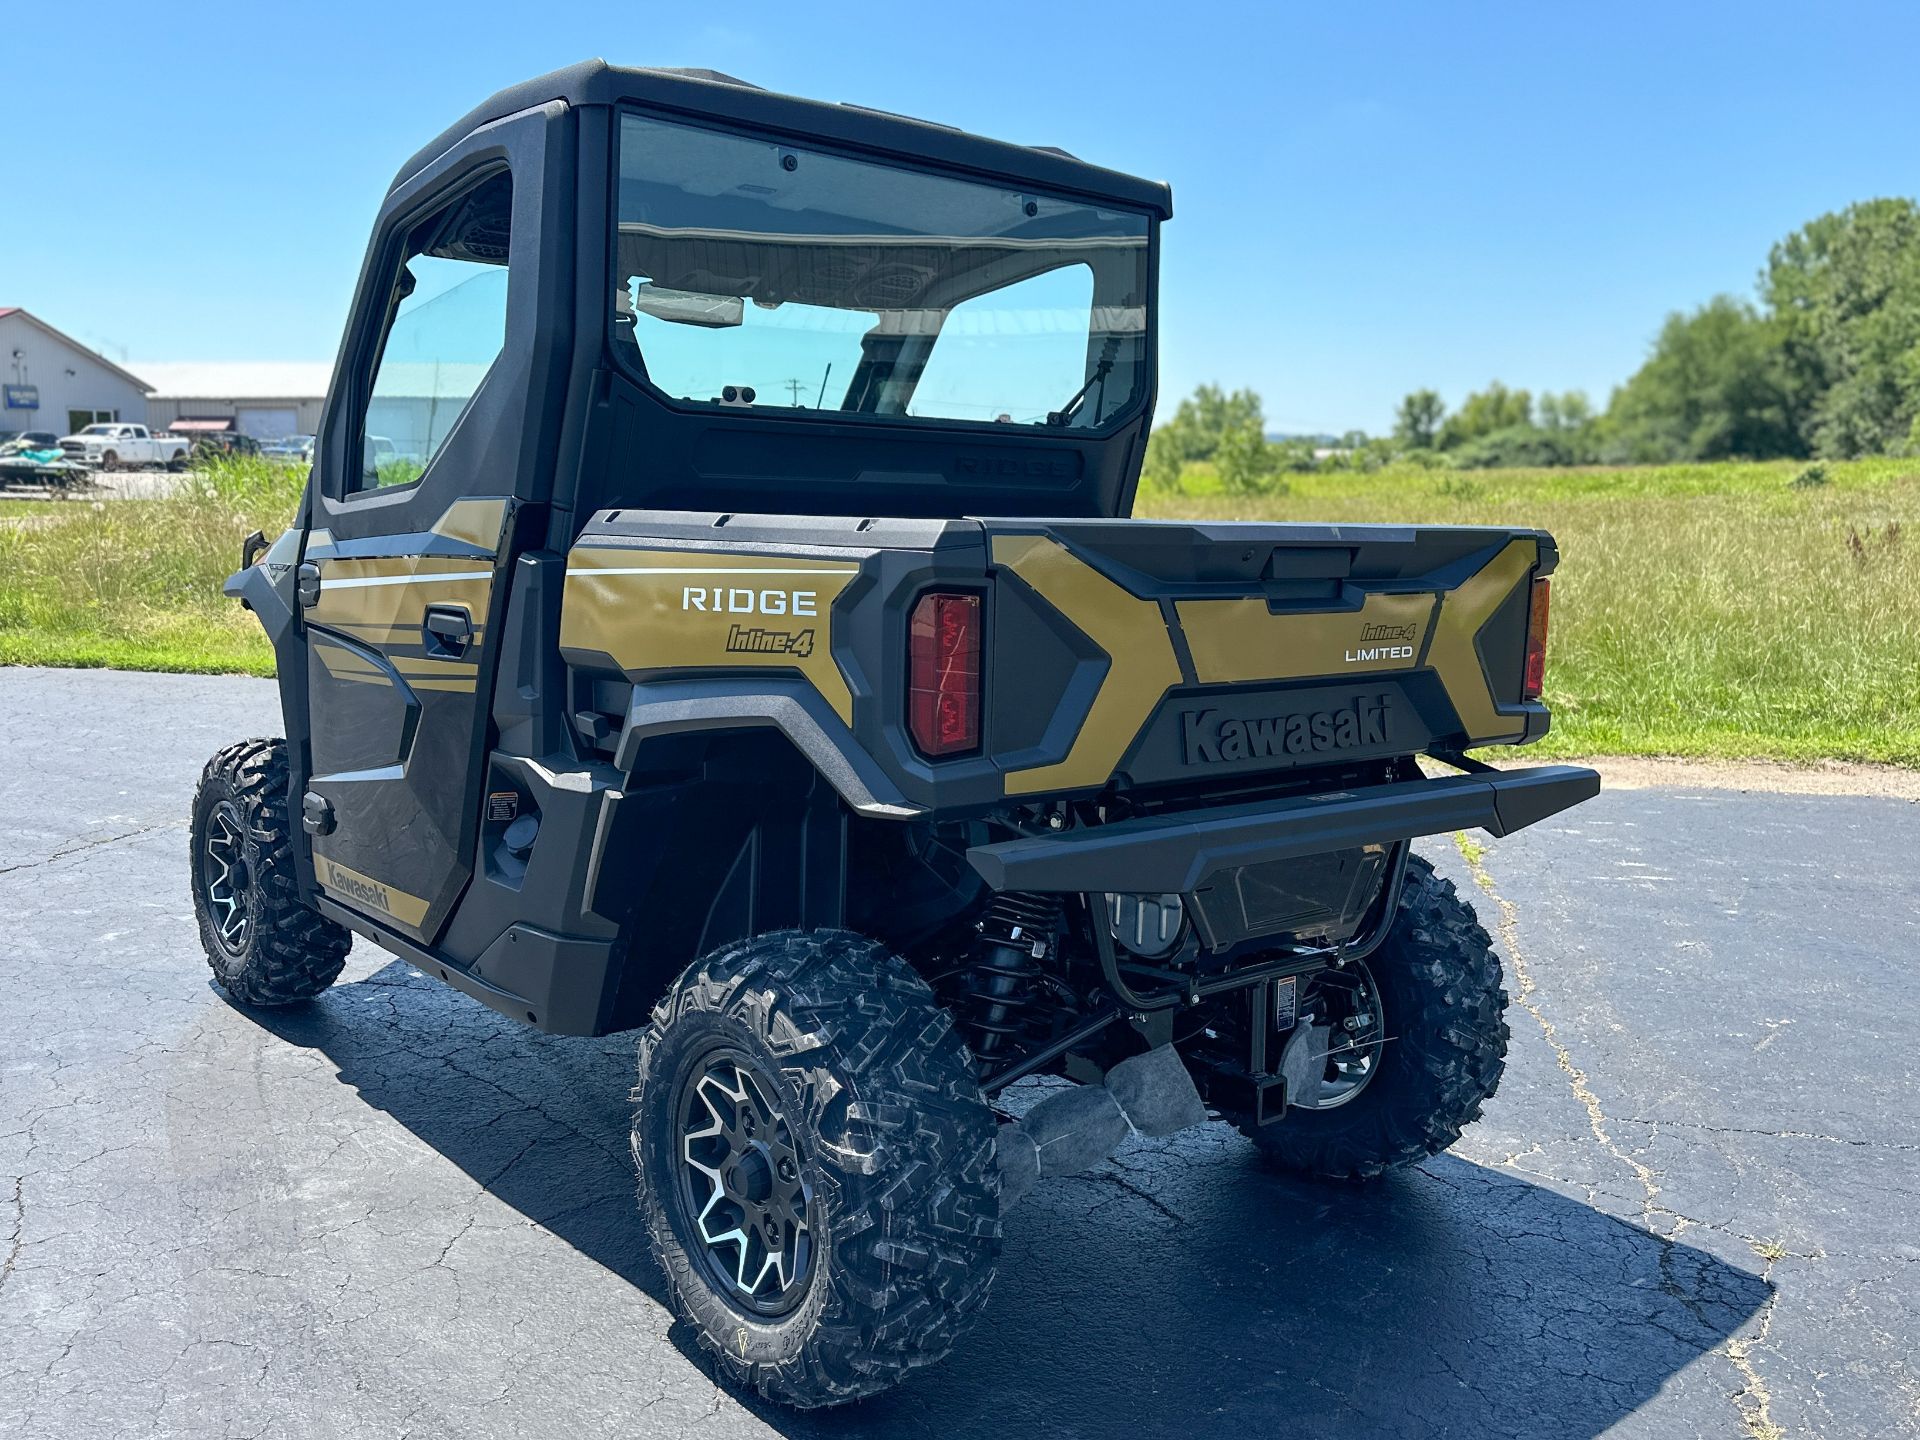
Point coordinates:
[[447, 631], [306, 584]]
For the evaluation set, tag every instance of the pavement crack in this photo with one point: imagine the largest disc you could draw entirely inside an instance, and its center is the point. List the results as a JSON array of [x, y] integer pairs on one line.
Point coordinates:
[[1753, 1401], [1771, 1134], [16, 1242], [494, 1179], [1110, 1175], [81, 846], [1577, 1079], [458, 1236]]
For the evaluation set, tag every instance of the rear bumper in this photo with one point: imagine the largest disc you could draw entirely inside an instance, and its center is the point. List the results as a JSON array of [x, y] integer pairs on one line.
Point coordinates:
[[1175, 853]]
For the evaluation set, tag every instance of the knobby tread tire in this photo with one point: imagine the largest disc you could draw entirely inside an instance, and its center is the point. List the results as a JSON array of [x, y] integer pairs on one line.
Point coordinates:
[[1444, 1008], [292, 953], [900, 1145]]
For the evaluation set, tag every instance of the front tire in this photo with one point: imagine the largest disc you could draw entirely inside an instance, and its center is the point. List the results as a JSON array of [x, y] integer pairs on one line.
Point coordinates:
[[1435, 983], [816, 1165], [264, 946]]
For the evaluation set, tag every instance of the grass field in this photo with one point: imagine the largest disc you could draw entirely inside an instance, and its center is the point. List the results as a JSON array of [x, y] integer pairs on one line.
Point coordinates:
[[1704, 610], [136, 583]]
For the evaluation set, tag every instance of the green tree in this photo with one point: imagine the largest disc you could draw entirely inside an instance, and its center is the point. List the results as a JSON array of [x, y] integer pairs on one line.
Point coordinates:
[[1844, 290], [1560, 413], [1244, 461], [1715, 387], [1483, 412], [1195, 432], [1516, 447], [1165, 465], [1207, 417], [1295, 455], [1417, 423]]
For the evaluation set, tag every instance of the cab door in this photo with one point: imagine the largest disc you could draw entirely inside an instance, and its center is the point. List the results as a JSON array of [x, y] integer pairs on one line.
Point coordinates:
[[423, 474]]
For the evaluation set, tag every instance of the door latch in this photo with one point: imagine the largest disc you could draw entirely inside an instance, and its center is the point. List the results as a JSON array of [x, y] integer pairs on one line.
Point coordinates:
[[447, 631], [306, 584]]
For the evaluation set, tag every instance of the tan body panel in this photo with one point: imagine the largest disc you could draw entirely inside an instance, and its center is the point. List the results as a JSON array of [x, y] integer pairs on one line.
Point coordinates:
[[658, 609], [363, 892], [1454, 655], [1131, 631], [1235, 641], [425, 673], [382, 602]]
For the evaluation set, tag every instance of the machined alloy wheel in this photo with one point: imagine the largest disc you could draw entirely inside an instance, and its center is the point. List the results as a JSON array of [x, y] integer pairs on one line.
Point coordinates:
[[1348, 1002], [742, 1182], [816, 1165], [223, 877], [264, 946]]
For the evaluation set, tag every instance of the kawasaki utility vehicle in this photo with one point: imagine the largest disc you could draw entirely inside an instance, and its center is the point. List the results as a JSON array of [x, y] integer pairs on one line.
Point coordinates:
[[712, 614]]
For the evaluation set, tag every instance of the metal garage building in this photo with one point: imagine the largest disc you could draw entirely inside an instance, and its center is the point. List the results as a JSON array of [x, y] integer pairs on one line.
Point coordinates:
[[267, 399], [53, 382]]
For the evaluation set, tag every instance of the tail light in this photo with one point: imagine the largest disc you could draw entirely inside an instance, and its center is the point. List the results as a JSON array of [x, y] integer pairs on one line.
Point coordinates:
[[1536, 680], [943, 674]]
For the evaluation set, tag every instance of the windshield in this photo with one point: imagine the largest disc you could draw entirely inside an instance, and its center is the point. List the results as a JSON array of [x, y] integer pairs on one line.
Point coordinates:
[[755, 274], [100, 430]]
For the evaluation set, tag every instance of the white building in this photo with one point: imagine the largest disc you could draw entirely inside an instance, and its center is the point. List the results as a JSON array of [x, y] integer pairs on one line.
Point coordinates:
[[267, 399], [53, 382], [414, 404]]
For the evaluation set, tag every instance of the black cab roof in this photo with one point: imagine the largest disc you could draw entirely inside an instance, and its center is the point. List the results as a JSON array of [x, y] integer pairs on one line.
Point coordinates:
[[710, 94]]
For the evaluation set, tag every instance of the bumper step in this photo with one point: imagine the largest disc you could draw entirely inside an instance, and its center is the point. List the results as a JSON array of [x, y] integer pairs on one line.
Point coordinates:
[[1175, 853]]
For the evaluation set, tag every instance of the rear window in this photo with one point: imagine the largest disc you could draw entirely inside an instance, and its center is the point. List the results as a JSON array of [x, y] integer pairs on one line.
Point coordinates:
[[759, 274]]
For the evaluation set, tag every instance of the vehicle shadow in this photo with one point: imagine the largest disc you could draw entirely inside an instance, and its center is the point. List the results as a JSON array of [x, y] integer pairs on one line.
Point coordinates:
[[1182, 1290]]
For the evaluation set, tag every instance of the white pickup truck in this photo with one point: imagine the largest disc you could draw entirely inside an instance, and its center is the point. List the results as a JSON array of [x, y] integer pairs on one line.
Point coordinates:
[[111, 445]]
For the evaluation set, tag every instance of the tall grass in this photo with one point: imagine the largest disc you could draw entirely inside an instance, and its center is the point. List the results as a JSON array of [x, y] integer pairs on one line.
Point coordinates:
[[136, 583], [1706, 610]]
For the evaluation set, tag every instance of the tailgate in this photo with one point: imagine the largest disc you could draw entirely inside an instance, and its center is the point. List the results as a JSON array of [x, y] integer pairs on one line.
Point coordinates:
[[1229, 648]]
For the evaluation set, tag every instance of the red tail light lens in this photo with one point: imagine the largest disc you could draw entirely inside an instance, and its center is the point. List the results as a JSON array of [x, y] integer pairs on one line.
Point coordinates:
[[943, 674], [1536, 680]]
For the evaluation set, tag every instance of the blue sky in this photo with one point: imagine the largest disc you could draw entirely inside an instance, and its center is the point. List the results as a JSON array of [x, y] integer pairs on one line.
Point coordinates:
[[1368, 198]]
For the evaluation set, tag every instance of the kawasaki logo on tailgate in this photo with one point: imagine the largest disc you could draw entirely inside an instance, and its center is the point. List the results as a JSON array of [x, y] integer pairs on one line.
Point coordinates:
[[1206, 739]]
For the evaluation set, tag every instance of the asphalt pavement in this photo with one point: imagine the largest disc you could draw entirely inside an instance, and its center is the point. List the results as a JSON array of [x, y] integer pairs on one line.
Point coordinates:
[[1689, 1211]]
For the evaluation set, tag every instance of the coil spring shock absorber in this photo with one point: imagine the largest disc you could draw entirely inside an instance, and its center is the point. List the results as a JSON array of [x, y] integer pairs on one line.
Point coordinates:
[[1016, 934]]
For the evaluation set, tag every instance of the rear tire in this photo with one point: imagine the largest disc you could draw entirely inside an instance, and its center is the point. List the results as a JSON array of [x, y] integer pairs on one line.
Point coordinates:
[[837, 1053], [265, 947], [1443, 1006]]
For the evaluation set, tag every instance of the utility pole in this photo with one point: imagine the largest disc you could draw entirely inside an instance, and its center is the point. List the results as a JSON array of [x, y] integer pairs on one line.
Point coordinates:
[[794, 386]]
